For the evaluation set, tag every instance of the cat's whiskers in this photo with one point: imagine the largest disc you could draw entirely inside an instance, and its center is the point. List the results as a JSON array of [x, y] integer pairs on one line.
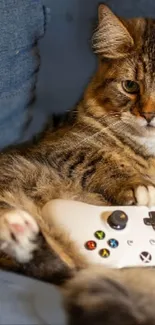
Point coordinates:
[[96, 134], [100, 121], [113, 123]]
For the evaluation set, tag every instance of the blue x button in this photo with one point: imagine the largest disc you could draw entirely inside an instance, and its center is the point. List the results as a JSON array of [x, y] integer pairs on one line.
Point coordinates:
[[113, 243]]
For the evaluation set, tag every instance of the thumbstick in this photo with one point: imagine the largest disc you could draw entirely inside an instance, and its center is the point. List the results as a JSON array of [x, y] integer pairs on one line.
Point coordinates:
[[118, 220]]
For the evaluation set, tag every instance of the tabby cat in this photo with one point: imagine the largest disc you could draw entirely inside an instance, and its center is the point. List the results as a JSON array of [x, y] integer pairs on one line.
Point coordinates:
[[104, 154]]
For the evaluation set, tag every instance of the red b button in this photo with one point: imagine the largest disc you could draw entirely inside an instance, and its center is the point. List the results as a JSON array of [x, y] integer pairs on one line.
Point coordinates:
[[90, 245]]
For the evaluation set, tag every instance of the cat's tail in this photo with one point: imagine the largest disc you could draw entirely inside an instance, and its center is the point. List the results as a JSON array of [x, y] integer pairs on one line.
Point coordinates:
[[111, 297]]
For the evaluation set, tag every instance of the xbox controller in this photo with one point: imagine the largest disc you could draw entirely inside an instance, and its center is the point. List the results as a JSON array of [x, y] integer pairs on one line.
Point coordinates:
[[113, 236]]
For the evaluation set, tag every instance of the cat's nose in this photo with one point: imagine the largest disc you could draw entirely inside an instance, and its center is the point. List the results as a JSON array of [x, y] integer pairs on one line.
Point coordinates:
[[148, 116]]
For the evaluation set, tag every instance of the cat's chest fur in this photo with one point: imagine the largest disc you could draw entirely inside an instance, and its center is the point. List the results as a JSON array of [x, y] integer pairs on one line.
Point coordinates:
[[147, 143]]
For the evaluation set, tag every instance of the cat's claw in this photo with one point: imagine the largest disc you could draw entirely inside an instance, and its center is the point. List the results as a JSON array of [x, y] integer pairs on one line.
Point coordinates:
[[18, 235], [145, 195]]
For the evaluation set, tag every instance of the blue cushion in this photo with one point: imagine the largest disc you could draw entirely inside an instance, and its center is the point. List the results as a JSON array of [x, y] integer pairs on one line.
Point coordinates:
[[22, 24]]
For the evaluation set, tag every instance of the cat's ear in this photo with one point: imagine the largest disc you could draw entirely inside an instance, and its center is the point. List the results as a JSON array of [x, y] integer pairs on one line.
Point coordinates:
[[112, 39]]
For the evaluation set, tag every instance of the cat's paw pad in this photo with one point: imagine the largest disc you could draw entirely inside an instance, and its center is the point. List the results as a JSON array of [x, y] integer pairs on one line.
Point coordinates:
[[18, 235], [145, 195]]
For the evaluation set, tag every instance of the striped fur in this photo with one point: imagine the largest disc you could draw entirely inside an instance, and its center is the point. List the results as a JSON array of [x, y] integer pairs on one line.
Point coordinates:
[[111, 297]]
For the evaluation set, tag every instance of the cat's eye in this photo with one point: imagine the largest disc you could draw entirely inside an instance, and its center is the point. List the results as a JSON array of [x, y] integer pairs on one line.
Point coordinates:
[[131, 87]]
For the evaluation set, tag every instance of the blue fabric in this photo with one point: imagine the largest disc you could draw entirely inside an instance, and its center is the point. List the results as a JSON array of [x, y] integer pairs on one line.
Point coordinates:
[[22, 24], [25, 301]]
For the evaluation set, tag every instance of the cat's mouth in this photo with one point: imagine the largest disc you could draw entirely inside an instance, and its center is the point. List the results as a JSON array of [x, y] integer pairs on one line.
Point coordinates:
[[150, 130], [149, 126]]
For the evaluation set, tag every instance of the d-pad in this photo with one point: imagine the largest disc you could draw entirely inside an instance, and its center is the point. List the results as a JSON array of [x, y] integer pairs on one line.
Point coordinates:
[[151, 220]]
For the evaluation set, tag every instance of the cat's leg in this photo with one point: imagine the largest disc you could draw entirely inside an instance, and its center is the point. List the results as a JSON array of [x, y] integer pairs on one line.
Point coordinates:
[[24, 250], [26, 184], [18, 235], [111, 297]]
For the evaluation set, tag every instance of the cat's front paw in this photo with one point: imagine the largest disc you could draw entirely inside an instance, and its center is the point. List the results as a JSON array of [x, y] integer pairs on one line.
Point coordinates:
[[145, 195], [18, 235]]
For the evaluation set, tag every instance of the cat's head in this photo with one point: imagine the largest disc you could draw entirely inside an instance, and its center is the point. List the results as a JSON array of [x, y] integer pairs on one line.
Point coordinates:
[[124, 85]]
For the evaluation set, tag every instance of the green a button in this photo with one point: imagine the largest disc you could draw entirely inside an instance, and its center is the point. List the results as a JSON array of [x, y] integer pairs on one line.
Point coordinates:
[[99, 234]]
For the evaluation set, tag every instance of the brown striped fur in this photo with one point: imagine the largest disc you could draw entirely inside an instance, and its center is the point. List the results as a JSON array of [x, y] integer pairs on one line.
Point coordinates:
[[98, 296]]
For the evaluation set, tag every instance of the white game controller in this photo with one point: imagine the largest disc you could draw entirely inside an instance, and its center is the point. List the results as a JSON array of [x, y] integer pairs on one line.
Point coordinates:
[[113, 236]]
